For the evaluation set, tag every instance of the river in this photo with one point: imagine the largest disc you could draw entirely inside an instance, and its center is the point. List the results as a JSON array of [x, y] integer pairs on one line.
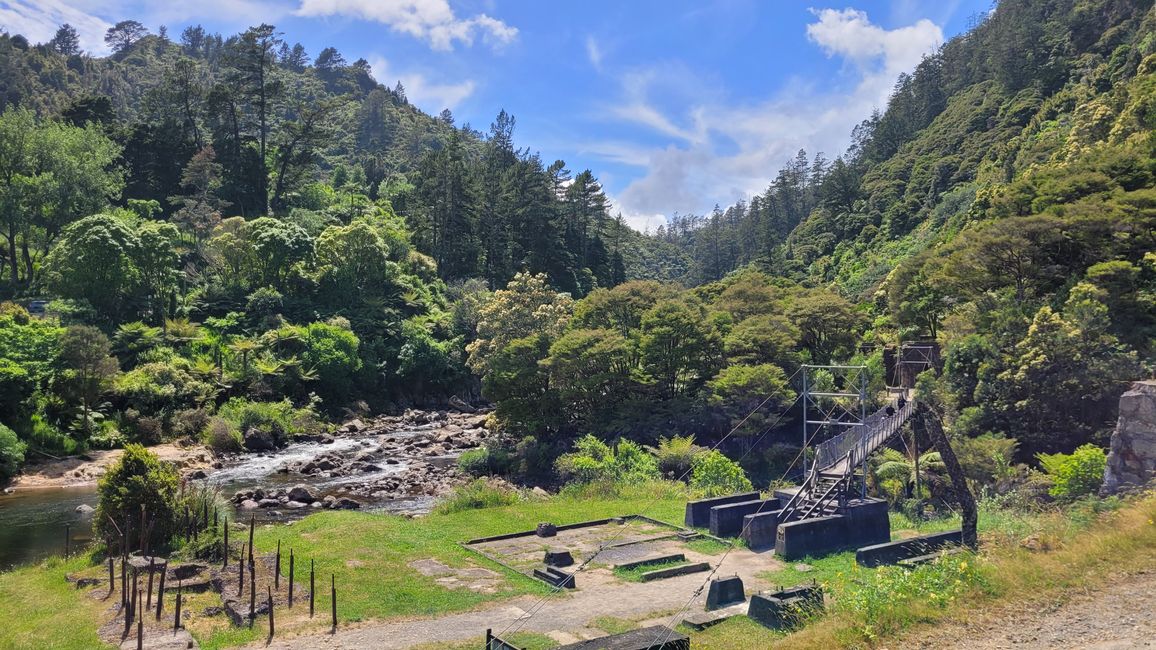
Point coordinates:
[[34, 521]]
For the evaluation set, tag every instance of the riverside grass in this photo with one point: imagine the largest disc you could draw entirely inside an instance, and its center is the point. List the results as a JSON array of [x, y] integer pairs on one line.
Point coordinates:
[[370, 554]]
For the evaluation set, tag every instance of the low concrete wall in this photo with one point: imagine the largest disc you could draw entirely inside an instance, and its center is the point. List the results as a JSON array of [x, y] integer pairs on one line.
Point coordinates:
[[727, 520], [661, 559], [698, 512], [893, 552], [759, 529], [659, 574]]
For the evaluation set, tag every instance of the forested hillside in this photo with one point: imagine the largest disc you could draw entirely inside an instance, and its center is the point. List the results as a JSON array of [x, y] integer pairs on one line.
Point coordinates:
[[230, 231], [1002, 204]]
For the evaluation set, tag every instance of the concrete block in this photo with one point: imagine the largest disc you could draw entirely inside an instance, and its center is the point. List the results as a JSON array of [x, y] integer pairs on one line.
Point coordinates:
[[814, 537], [785, 609], [863, 522], [784, 494], [725, 592], [558, 557], [698, 512], [759, 529], [727, 520], [893, 552]]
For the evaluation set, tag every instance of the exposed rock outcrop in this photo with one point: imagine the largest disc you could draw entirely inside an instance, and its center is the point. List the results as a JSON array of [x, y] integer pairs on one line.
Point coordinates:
[[1132, 459]]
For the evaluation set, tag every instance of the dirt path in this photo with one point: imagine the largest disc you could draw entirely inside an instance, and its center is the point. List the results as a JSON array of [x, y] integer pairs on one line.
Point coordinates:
[[565, 618], [1120, 617], [76, 471]]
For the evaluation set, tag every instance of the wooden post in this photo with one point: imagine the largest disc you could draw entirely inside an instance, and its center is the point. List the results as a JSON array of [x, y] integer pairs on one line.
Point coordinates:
[[291, 573], [270, 611], [277, 568], [252, 593], [161, 591], [67, 540], [142, 527], [489, 638], [226, 544], [241, 572], [177, 617], [152, 569], [111, 578], [134, 592], [333, 602], [123, 582], [139, 623], [252, 525], [312, 591]]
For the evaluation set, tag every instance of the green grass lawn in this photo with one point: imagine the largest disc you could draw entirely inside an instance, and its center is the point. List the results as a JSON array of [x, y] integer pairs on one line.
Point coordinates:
[[41, 610]]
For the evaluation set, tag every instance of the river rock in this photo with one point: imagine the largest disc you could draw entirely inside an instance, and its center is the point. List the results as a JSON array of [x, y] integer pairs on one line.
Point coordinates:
[[268, 503], [258, 440], [460, 405], [353, 426], [345, 503], [1132, 458], [85, 509], [296, 505], [301, 493], [249, 504]]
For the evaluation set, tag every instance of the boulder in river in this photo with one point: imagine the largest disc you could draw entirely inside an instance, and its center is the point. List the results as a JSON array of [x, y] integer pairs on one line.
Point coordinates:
[[302, 493], [85, 509], [258, 440], [249, 504]]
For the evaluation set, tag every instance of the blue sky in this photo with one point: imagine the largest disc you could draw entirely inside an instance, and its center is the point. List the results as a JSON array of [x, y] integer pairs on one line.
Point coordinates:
[[675, 106]]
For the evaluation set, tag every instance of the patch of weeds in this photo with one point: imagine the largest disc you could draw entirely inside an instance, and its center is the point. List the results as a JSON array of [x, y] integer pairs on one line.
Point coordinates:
[[614, 625], [707, 546]]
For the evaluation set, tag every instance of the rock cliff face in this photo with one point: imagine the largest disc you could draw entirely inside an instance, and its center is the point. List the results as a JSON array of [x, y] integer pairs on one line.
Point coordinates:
[[1132, 459]]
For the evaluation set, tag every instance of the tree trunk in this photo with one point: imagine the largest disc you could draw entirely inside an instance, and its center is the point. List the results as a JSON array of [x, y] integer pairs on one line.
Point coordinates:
[[930, 421]]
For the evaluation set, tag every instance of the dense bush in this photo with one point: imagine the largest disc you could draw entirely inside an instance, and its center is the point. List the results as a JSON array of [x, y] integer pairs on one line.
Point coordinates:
[[280, 419], [594, 460], [1076, 474], [11, 453], [715, 475], [221, 436], [137, 482], [675, 455]]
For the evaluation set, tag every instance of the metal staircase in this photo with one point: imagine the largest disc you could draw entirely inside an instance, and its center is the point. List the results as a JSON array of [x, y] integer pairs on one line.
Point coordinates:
[[829, 481]]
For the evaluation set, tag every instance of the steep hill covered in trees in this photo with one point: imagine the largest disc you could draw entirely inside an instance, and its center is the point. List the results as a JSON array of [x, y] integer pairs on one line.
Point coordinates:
[[1002, 203]]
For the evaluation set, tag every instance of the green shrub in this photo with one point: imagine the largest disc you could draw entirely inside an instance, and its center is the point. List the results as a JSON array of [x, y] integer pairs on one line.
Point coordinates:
[[221, 436], [675, 455], [594, 460], [281, 419], [137, 480], [1076, 474], [478, 494], [715, 475], [484, 461], [46, 437], [11, 453]]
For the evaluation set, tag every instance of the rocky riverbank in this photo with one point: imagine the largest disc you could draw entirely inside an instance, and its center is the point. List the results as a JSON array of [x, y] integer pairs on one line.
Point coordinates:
[[397, 457]]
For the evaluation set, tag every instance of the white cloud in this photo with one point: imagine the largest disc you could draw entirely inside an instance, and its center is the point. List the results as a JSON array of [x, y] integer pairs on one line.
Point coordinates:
[[594, 53], [721, 152], [39, 20], [430, 20], [430, 96]]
